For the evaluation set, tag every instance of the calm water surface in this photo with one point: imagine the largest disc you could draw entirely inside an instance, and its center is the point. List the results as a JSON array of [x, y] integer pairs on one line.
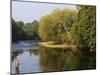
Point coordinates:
[[33, 59], [28, 57]]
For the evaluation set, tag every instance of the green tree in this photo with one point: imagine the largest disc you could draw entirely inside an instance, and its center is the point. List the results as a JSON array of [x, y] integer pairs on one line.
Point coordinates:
[[58, 23], [18, 32], [45, 28], [84, 30], [14, 31], [32, 30]]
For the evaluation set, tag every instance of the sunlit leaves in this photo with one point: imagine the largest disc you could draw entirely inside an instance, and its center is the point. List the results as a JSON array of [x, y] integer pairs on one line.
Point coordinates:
[[56, 25]]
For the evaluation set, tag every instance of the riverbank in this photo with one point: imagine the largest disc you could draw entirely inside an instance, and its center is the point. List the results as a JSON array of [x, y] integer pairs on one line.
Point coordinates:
[[51, 44]]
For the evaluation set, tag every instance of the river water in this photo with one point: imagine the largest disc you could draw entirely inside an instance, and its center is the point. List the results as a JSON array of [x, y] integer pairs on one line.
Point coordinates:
[[34, 59], [28, 57]]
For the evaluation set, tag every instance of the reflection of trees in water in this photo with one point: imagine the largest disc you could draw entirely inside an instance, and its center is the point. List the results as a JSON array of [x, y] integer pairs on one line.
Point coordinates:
[[15, 54], [63, 59], [15, 58], [87, 61], [58, 59], [33, 51]]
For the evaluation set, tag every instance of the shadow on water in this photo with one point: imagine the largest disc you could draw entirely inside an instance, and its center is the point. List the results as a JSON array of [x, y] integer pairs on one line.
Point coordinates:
[[52, 59]]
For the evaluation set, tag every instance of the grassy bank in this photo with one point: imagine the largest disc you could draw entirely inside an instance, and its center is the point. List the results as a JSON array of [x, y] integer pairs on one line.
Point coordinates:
[[51, 44]]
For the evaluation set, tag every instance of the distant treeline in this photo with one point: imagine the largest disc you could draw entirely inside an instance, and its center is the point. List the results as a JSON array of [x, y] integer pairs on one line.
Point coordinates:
[[27, 31]]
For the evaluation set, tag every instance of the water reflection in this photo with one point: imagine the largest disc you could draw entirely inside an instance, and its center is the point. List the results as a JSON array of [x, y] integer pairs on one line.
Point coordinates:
[[33, 51], [58, 59], [32, 59], [65, 60], [28, 62], [15, 54]]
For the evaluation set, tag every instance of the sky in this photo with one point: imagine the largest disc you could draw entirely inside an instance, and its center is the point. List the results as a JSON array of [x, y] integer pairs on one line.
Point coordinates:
[[30, 11]]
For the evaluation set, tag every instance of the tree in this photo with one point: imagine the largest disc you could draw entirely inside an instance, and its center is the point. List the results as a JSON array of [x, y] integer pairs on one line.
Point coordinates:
[[32, 30], [45, 28], [18, 32], [84, 30], [58, 23], [14, 31]]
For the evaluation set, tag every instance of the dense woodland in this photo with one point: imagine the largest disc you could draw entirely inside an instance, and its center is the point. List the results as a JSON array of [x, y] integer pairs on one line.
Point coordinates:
[[64, 26], [21, 31]]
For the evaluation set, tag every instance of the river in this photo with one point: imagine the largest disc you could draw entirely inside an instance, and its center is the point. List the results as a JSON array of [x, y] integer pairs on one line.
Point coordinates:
[[34, 59], [27, 55]]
